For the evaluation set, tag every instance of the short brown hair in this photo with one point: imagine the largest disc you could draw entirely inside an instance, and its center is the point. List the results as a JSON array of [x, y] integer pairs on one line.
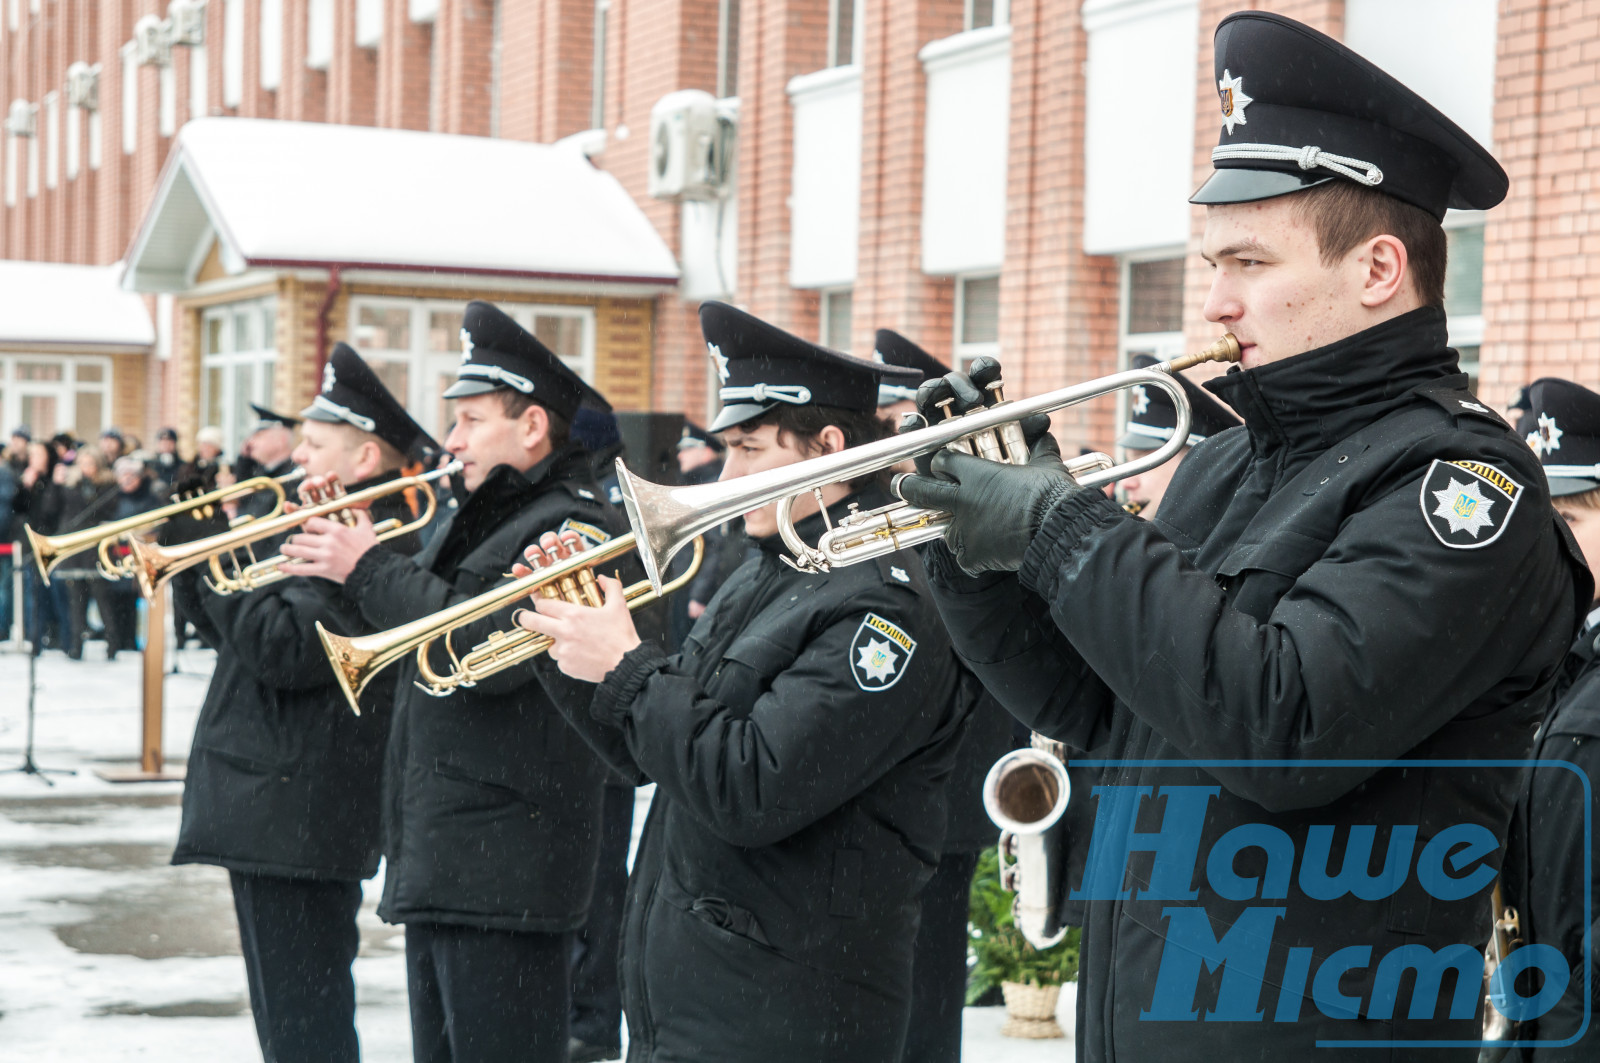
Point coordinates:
[[805, 423], [1589, 499], [389, 456], [1344, 214], [515, 404]]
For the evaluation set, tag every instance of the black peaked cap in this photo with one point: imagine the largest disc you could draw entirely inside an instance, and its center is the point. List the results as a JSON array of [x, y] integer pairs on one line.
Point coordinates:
[[353, 394], [1292, 97], [893, 348], [266, 418], [1563, 428], [1152, 415], [762, 366], [496, 352]]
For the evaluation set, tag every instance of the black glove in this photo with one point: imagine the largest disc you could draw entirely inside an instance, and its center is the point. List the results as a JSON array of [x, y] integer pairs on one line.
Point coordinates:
[[995, 508]]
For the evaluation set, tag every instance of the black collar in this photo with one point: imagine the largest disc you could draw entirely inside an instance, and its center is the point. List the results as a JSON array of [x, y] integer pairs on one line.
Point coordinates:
[[1311, 401]]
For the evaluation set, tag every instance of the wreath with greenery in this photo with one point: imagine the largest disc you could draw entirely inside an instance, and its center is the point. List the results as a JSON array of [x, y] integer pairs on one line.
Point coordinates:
[[998, 949]]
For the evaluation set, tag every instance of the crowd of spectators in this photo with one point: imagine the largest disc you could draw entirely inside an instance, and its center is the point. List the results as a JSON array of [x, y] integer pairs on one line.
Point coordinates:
[[60, 485]]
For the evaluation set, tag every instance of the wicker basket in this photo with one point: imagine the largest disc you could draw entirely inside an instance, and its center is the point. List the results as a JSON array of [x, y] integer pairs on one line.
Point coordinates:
[[1031, 1011]]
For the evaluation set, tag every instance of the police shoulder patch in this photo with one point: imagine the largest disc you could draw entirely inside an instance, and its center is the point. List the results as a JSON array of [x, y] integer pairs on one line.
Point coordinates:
[[590, 535], [880, 653], [1468, 504]]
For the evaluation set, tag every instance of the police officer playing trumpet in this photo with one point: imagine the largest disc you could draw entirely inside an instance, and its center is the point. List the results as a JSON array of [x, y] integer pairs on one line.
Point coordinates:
[[800, 744], [491, 803], [282, 786], [1367, 570]]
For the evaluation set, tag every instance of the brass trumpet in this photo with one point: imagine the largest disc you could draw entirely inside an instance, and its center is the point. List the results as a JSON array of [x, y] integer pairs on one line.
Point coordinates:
[[357, 660], [665, 518], [50, 550], [153, 565]]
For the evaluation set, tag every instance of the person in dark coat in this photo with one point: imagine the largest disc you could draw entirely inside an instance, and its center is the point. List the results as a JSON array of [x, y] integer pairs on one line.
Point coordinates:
[[283, 779], [1368, 570], [269, 449], [1549, 879], [491, 802], [800, 744], [89, 496], [939, 972], [166, 464], [39, 502]]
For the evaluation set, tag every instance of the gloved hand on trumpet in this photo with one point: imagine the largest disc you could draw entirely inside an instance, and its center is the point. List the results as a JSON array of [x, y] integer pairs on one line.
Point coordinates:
[[996, 507]]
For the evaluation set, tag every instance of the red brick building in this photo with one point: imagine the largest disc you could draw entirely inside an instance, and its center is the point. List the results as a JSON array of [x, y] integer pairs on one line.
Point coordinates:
[[982, 175]]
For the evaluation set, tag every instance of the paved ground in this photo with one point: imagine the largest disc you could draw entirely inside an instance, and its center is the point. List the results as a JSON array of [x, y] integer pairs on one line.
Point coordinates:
[[108, 953]]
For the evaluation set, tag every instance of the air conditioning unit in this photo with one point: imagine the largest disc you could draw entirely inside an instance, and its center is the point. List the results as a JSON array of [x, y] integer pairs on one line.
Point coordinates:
[[83, 86], [152, 41], [21, 120], [188, 19], [689, 146]]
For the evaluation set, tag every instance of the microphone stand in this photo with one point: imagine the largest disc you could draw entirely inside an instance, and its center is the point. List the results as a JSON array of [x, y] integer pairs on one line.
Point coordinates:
[[28, 765]]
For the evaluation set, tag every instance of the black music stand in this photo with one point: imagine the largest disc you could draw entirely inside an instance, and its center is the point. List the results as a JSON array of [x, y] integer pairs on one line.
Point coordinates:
[[28, 766]]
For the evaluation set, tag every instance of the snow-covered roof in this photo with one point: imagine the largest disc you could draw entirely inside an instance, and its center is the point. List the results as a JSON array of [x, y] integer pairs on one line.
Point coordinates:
[[309, 194], [53, 304]]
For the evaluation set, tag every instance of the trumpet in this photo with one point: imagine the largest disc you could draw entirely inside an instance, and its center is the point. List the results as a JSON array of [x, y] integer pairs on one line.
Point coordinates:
[[1498, 1028], [665, 518], [1026, 794], [50, 550], [153, 565], [357, 660]]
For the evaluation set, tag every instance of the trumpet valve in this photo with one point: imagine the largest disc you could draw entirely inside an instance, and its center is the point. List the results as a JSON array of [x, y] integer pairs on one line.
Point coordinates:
[[589, 590]]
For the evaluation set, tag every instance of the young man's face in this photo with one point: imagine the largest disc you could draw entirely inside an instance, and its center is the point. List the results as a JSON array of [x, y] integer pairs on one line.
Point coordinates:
[[1585, 524], [1270, 287], [756, 450], [1149, 487], [483, 437], [327, 448]]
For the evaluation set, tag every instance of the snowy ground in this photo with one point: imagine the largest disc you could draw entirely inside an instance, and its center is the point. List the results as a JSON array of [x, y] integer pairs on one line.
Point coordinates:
[[109, 954]]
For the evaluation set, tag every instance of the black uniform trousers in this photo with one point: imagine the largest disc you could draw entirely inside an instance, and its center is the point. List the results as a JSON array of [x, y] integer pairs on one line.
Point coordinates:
[[486, 996], [939, 971], [596, 997], [299, 939]]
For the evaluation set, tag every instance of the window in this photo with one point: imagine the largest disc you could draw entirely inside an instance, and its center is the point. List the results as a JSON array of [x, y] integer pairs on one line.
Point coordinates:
[[319, 34], [1463, 288], [238, 359], [369, 23], [414, 345], [844, 31], [233, 53], [977, 318], [981, 13], [52, 394], [597, 88], [130, 100], [271, 44], [52, 139], [1151, 310], [727, 48], [835, 318]]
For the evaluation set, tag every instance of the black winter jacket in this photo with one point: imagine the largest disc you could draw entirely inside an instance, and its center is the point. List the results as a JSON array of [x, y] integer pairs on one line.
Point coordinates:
[[283, 779], [1550, 878], [491, 802], [801, 745], [1319, 586]]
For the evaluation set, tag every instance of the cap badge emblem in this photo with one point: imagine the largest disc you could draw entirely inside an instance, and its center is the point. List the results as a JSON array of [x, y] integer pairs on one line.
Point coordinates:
[[1549, 435], [466, 346], [1234, 101], [721, 360], [1141, 400], [327, 378]]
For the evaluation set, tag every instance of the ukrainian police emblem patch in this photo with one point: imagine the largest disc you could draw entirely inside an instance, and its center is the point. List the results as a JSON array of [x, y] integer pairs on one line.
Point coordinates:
[[879, 654], [1467, 504]]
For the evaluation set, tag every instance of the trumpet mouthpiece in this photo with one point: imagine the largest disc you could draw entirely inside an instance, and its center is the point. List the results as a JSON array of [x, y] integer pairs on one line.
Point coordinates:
[[1224, 350]]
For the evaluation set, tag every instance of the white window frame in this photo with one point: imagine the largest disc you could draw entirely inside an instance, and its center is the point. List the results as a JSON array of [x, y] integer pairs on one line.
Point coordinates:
[[73, 141], [271, 44], [1002, 14], [130, 99], [232, 53], [825, 315], [1161, 344], [65, 390], [425, 365], [369, 23], [963, 353], [230, 358], [597, 85], [856, 12]]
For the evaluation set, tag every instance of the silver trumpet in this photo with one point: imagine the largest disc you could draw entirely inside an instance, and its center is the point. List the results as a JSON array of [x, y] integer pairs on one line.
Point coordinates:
[[666, 519], [1026, 794]]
